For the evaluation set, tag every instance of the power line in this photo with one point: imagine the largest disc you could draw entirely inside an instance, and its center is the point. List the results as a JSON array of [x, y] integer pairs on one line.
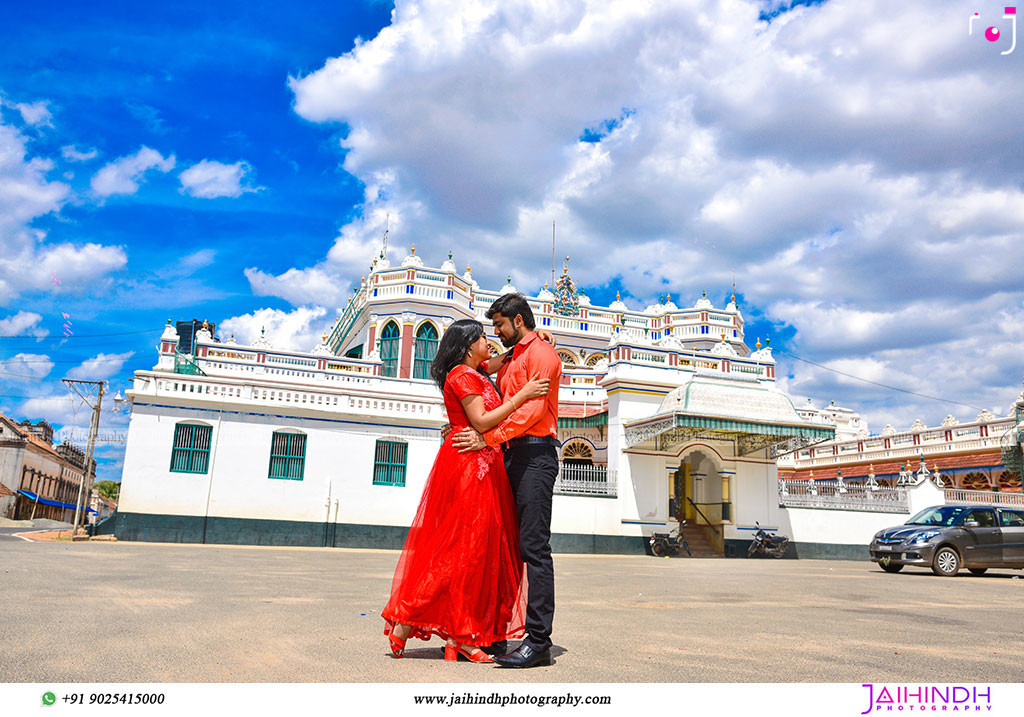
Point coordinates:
[[93, 360], [875, 383], [8, 395], [21, 375], [84, 336], [56, 343]]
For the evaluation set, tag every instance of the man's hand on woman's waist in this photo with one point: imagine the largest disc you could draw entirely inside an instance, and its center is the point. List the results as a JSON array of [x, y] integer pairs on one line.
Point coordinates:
[[468, 440]]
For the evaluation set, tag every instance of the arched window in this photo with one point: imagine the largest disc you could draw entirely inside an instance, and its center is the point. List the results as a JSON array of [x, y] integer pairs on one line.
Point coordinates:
[[577, 452], [1009, 482], [191, 452], [975, 481], [390, 338], [567, 358], [426, 349], [594, 358]]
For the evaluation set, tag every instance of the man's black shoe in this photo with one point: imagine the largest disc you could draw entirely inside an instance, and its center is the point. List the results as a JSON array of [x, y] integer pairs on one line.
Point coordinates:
[[524, 656]]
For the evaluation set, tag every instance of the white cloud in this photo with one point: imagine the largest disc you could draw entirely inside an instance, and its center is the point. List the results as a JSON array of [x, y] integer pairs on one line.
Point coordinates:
[[33, 265], [208, 179], [100, 367], [494, 96], [298, 286], [23, 323], [25, 368], [36, 114], [27, 261], [70, 417], [122, 176], [923, 350], [298, 330], [330, 282], [73, 154], [25, 193], [198, 259], [58, 410], [856, 163]]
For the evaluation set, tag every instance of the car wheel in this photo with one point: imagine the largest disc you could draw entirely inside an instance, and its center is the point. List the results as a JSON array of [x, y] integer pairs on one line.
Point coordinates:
[[658, 549], [946, 562], [890, 567], [977, 571]]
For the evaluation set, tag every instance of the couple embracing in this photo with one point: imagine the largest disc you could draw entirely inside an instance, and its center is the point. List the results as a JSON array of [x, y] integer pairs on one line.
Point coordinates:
[[486, 505]]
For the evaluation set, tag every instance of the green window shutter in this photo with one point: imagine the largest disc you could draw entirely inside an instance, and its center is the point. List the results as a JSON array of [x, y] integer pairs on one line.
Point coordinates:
[[191, 452], [426, 349], [390, 345], [287, 456], [389, 463], [201, 448]]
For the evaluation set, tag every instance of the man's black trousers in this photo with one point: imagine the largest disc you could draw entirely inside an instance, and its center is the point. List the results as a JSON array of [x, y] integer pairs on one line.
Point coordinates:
[[532, 469]]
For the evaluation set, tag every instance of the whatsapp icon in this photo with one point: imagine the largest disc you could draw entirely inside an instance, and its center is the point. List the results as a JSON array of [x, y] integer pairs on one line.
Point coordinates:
[[49, 698]]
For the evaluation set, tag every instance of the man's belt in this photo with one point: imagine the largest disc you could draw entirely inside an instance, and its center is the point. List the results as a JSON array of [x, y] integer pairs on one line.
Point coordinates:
[[531, 441]]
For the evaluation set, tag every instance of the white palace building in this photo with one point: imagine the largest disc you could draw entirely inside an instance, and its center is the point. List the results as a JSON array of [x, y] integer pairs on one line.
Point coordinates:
[[665, 416]]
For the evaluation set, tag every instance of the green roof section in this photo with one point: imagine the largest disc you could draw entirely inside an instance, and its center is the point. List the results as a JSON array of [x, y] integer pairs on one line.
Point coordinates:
[[751, 427], [598, 419]]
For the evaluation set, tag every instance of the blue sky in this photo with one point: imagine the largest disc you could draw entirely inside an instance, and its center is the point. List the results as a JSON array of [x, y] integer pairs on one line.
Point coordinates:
[[856, 165], [188, 80]]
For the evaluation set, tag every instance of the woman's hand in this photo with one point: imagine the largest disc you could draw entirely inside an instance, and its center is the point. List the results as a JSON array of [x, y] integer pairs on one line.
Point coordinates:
[[535, 388], [546, 335]]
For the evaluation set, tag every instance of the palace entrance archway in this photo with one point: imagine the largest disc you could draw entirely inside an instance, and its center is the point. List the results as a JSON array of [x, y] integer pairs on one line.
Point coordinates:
[[699, 491]]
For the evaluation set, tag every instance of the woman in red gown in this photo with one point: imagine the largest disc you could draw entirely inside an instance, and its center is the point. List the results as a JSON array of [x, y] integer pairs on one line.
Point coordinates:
[[460, 576]]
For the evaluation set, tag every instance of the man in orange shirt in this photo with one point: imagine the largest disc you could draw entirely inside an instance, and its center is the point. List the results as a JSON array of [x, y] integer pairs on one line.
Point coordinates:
[[530, 440]]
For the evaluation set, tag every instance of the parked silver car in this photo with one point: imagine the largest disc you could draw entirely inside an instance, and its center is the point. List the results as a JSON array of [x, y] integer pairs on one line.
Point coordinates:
[[948, 537]]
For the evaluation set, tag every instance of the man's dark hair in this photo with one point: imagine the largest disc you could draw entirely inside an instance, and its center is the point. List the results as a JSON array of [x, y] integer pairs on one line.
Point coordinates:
[[508, 305]]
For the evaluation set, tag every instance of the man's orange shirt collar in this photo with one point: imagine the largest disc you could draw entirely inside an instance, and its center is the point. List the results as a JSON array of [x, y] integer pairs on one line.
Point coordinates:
[[523, 343]]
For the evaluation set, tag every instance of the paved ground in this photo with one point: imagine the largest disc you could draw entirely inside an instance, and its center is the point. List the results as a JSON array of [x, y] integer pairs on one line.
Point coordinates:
[[10, 531], [132, 612]]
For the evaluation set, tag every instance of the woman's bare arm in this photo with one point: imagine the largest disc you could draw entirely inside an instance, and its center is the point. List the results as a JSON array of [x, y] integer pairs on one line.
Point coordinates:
[[483, 420], [494, 362]]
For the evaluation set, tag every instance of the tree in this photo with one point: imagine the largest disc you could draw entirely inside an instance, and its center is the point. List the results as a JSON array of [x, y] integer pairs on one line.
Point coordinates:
[[108, 489]]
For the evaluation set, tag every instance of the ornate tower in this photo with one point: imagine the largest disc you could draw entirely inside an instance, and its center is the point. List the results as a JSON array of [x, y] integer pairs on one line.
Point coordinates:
[[567, 298]]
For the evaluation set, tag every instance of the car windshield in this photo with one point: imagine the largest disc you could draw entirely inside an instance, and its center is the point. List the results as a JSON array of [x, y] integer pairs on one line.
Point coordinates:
[[942, 515]]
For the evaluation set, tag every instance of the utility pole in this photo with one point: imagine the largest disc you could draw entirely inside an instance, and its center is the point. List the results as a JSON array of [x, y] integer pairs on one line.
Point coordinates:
[[94, 427]]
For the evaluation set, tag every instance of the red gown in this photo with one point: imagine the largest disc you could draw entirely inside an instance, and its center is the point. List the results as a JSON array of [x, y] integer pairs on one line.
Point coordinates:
[[460, 574]]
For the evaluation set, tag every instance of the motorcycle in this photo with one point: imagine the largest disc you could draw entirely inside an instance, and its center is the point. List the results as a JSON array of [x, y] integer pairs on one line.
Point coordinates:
[[663, 544], [774, 546]]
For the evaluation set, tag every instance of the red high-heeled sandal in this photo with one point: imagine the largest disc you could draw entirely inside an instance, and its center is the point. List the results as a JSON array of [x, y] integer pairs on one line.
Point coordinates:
[[452, 652], [397, 644]]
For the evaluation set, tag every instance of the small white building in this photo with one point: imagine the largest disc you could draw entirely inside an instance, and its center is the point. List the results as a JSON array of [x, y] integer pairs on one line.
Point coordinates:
[[665, 416]]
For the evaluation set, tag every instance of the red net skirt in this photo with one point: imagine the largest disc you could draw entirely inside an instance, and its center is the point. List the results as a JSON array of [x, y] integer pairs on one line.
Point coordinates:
[[459, 574]]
